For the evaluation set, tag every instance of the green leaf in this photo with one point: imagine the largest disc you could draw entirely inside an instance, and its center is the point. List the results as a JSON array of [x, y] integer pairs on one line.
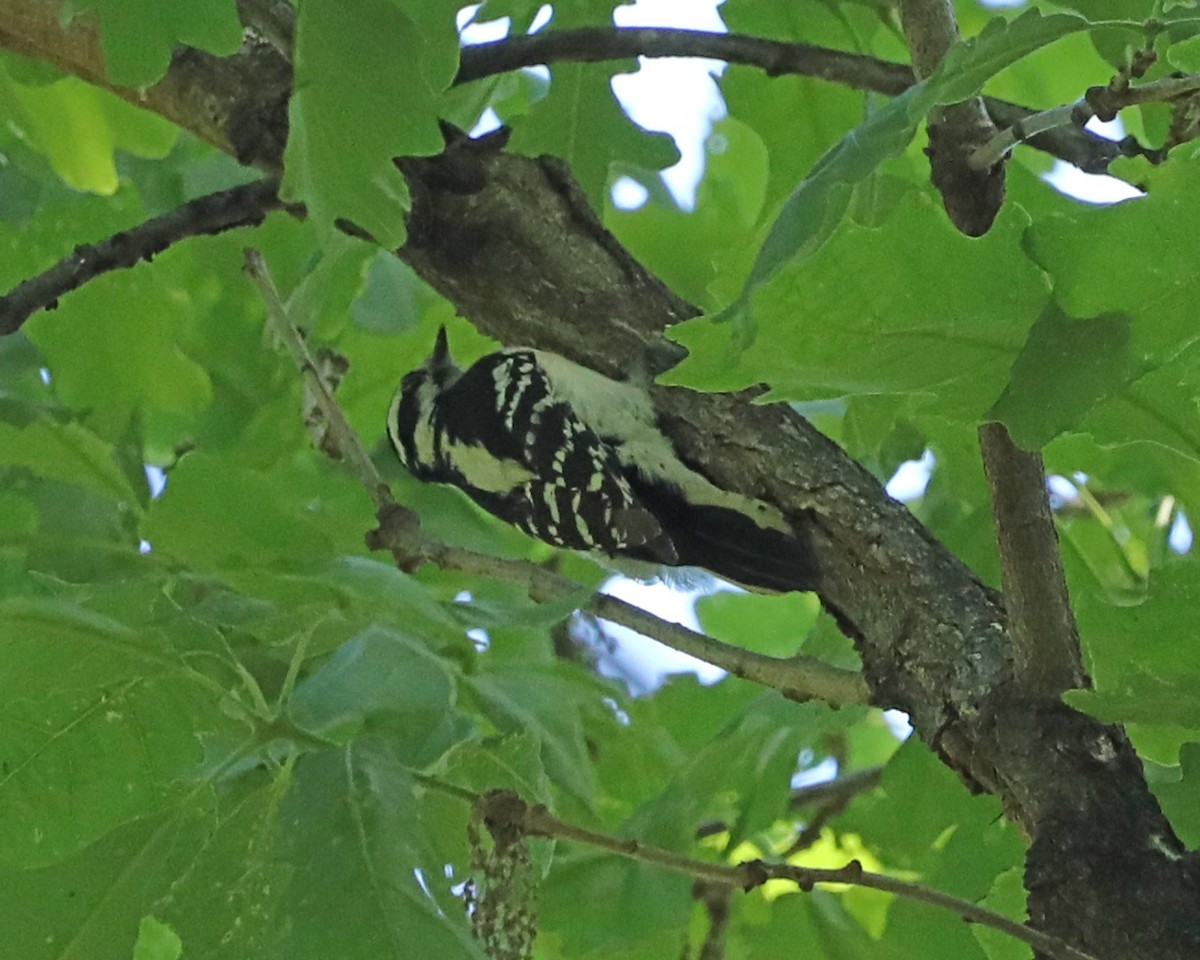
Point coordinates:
[[382, 674], [354, 889], [216, 514], [1083, 254], [1155, 680], [581, 122], [1185, 55], [98, 728], [972, 62], [777, 626], [67, 452], [1007, 896], [393, 298], [89, 907], [157, 941], [741, 778], [18, 518], [908, 818], [139, 36], [522, 12], [79, 128], [816, 207], [546, 702], [113, 347], [767, 929], [1157, 409], [1181, 800], [20, 371], [1066, 368], [688, 249], [512, 762], [874, 313], [225, 894], [348, 124], [630, 907]]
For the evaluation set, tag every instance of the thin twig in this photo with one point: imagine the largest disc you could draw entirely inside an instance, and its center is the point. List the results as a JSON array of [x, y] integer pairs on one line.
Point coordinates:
[[504, 806], [831, 797], [343, 436], [717, 899], [801, 678], [1102, 102], [846, 787], [997, 148], [245, 205]]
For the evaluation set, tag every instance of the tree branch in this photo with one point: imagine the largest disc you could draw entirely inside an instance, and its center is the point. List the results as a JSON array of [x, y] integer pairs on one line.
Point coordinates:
[[800, 678], [972, 196], [597, 44], [1086, 150], [242, 206], [828, 793], [1040, 618], [1103, 102], [507, 811], [238, 104]]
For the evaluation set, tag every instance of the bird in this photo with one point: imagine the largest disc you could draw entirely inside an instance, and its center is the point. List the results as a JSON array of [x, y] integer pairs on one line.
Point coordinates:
[[579, 461]]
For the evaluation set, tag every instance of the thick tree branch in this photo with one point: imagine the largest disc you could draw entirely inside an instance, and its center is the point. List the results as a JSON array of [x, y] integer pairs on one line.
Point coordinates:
[[273, 20], [1040, 618], [242, 206]]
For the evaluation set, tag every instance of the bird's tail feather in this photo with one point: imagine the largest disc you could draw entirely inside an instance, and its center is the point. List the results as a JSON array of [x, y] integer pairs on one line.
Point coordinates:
[[731, 545]]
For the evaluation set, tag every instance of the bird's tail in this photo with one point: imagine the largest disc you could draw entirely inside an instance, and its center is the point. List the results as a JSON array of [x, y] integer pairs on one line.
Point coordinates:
[[731, 545]]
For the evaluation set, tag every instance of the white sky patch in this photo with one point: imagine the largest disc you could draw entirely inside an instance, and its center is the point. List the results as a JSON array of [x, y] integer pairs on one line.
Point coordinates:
[[479, 637], [676, 96], [911, 478], [471, 32], [1180, 538], [1060, 486], [823, 772], [647, 662], [157, 480], [1092, 188], [628, 194], [898, 723]]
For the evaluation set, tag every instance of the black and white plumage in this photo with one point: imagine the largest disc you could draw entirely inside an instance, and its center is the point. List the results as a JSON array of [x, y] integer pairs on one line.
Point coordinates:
[[577, 460]]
